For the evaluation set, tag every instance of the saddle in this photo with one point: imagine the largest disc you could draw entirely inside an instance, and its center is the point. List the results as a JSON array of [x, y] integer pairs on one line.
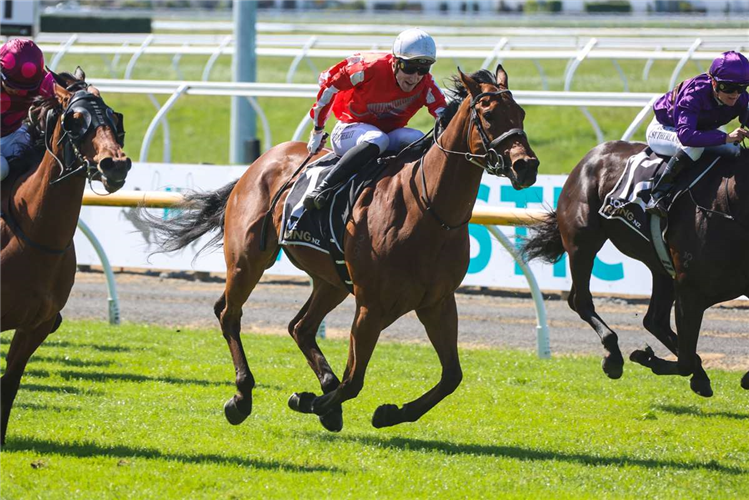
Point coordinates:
[[627, 200], [324, 229]]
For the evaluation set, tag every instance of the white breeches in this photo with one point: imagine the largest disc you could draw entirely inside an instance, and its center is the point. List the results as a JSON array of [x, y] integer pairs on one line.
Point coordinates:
[[347, 135], [663, 140]]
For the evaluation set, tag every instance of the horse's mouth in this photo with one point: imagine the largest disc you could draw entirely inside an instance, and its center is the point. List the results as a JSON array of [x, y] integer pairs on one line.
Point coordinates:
[[112, 185]]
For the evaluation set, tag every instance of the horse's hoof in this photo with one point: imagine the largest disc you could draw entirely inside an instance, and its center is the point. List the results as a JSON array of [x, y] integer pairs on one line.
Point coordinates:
[[701, 387], [302, 402], [385, 416], [642, 356], [333, 420], [233, 414], [613, 366], [745, 381]]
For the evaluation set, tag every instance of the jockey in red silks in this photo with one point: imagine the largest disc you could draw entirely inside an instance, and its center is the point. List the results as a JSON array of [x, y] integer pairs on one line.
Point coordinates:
[[23, 79], [373, 96], [687, 119]]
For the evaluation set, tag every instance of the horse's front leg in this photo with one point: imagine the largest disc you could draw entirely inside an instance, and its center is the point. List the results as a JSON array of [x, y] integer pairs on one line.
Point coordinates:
[[364, 334], [658, 322], [441, 323], [689, 313], [303, 329], [24, 344]]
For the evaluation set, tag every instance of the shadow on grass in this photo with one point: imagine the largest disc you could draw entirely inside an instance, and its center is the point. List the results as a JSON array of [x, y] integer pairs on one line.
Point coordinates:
[[88, 449], [132, 377], [64, 389], [689, 410], [70, 361], [520, 453], [65, 344]]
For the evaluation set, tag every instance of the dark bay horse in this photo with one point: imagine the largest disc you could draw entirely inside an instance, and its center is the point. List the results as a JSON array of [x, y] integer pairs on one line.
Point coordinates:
[[83, 140], [709, 245], [406, 247]]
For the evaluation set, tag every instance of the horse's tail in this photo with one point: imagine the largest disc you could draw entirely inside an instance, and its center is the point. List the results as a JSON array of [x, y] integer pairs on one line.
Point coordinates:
[[199, 214], [546, 241]]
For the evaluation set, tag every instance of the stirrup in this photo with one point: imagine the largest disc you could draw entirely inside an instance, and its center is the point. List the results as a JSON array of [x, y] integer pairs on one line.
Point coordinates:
[[656, 207]]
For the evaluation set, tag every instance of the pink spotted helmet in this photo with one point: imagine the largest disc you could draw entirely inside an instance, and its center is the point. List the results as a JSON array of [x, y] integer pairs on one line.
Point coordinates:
[[22, 64]]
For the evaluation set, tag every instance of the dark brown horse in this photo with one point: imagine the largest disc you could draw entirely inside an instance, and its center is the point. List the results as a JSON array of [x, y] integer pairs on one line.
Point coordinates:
[[399, 251], [709, 245], [40, 212]]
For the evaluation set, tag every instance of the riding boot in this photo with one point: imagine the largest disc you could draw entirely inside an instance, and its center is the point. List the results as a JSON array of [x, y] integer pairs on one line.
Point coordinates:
[[660, 195], [354, 158]]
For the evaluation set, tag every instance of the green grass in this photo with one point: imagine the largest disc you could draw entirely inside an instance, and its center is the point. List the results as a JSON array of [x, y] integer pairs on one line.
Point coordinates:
[[199, 125], [136, 412]]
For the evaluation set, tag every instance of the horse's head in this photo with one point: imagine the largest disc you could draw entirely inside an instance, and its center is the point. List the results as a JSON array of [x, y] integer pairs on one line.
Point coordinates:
[[93, 135], [496, 128]]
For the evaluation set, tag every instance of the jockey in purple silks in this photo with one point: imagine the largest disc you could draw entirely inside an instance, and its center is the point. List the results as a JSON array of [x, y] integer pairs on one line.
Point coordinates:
[[687, 119], [23, 79]]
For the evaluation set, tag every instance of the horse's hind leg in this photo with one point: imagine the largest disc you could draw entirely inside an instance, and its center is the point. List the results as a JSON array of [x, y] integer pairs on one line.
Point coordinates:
[[23, 345], [241, 278], [441, 323], [689, 313], [582, 253], [303, 329]]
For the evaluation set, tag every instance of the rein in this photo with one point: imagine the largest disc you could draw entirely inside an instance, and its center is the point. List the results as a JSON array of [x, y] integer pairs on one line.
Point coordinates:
[[494, 162]]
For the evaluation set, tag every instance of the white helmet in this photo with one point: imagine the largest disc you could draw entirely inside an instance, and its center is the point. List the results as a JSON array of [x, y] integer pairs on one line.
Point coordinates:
[[415, 44]]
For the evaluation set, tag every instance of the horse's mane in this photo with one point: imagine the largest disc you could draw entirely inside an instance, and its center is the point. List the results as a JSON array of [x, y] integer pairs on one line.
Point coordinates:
[[458, 92]]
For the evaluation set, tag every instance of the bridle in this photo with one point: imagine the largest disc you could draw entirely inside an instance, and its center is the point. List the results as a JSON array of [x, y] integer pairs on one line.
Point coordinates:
[[493, 162], [93, 114]]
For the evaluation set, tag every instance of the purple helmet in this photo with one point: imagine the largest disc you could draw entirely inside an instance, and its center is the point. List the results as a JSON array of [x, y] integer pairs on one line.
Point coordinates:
[[730, 67], [22, 64]]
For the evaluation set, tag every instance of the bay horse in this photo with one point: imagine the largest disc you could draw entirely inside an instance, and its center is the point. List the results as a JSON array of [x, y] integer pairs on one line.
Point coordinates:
[[406, 247], [708, 240], [83, 138]]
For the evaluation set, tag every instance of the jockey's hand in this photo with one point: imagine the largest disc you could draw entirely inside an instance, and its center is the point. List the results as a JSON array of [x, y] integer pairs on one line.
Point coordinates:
[[737, 135], [316, 141]]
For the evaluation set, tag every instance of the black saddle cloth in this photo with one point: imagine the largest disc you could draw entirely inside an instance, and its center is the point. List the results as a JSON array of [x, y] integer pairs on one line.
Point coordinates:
[[323, 229], [627, 201]]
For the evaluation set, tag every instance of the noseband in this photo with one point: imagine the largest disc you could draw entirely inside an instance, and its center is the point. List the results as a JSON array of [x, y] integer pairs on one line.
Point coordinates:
[[491, 160], [93, 114]]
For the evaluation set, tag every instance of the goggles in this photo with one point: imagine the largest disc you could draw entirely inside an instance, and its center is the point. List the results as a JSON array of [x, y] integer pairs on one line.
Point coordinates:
[[731, 88], [419, 66]]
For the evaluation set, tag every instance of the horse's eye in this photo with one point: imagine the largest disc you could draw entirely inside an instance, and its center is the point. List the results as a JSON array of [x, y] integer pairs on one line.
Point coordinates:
[[487, 116]]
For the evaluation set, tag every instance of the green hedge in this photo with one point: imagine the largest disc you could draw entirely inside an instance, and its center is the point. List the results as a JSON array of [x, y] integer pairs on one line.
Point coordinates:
[[612, 6], [532, 6], [88, 24]]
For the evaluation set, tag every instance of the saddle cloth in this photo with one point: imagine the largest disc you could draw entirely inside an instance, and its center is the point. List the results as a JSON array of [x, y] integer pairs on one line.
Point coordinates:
[[631, 193], [323, 229]]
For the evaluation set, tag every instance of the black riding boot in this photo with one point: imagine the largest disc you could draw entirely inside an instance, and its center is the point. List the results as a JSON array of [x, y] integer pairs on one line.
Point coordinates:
[[660, 195], [354, 158]]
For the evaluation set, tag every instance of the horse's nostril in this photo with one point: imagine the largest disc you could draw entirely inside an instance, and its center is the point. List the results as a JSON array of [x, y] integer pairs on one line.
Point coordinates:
[[105, 164]]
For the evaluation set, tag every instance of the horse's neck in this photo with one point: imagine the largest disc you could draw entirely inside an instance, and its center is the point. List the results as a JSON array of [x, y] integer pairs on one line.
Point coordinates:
[[48, 214], [452, 182]]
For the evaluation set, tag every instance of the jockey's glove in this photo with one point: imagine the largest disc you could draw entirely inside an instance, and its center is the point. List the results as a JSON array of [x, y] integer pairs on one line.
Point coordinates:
[[316, 141]]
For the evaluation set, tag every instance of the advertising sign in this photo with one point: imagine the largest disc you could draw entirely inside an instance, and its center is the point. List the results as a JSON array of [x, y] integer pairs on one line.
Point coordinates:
[[19, 17], [128, 242]]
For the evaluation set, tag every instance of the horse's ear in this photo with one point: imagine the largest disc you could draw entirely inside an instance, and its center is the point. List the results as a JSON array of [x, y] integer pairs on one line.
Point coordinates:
[[61, 94], [501, 76], [79, 74], [469, 83], [58, 79]]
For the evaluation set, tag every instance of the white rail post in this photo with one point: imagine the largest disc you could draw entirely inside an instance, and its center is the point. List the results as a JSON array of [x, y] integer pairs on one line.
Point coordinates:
[[301, 55], [136, 56], [156, 119], [682, 62], [267, 139], [579, 59], [63, 50], [212, 60], [114, 304]]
